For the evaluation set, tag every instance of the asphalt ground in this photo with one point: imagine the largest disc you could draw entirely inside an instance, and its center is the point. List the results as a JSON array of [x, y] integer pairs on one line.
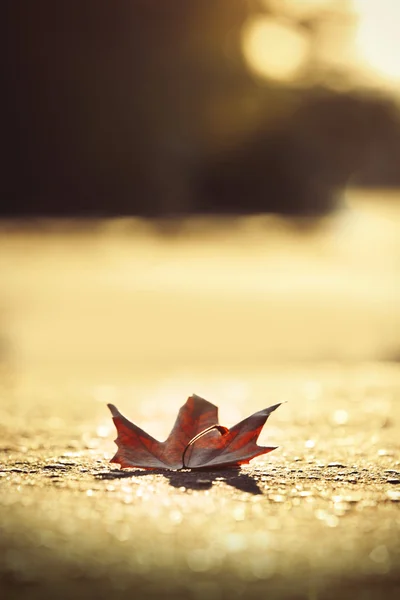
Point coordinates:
[[247, 314], [317, 518]]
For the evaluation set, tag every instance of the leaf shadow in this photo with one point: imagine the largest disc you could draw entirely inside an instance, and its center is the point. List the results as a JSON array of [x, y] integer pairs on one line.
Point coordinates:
[[200, 479]]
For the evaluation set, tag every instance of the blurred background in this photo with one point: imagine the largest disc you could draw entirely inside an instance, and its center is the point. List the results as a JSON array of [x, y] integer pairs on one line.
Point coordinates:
[[210, 182]]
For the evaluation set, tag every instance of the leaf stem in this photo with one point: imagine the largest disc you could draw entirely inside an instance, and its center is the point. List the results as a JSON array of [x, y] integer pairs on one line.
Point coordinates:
[[222, 430]]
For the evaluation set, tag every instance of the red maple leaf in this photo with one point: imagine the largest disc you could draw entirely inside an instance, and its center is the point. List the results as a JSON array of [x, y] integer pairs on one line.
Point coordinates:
[[196, 441]]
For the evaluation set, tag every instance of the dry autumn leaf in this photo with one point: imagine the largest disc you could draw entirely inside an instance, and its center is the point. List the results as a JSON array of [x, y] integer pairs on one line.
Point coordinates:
[[196, 441]]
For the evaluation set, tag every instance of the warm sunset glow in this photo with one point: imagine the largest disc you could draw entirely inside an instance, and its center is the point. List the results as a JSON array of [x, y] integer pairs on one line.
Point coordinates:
[[301, 8], [377, 37], [273, 50]]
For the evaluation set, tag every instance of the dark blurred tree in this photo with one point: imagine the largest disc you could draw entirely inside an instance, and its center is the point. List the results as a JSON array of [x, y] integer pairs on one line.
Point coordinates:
[[300, 165], [147, 107]]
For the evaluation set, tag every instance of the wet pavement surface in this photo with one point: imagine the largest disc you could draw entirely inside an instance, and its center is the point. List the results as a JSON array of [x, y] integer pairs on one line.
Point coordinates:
[[317, 518], [246, 314]]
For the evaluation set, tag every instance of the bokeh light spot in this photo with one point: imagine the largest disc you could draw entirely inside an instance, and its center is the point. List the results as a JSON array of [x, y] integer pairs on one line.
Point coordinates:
[[272, 49], [301, 8]]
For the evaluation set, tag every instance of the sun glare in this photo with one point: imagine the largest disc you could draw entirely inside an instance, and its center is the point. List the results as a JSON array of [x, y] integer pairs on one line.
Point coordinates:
[[378, 37], [301, 8], [273, 50]]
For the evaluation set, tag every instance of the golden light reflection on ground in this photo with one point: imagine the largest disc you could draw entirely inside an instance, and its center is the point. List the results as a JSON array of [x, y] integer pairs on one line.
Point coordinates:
[[248, 292], [114, 312]]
